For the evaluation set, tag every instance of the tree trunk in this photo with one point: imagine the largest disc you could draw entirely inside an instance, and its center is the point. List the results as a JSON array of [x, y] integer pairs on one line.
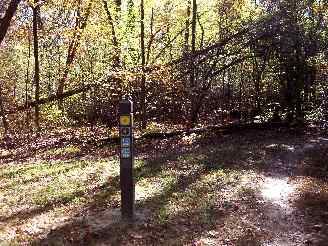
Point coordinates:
[[258, 70], [151, 39], [300, 77], [36, 10], [194, 94], [290, 88], [143, 63], [27, 80], [186, 39], [3, 115], [257, 74], [116, 53], [193, 26], [5, 21]]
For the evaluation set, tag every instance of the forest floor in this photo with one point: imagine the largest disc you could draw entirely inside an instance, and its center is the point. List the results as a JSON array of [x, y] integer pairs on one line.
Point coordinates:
[[253, 187]]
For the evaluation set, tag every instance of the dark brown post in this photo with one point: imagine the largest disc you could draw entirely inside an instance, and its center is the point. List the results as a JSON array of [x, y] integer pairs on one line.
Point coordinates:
[[126, 159]]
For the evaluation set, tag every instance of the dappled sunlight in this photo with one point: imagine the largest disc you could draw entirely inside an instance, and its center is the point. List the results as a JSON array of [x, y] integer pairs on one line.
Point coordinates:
[[40, 222], [313, 193], [280, 147], [198, 196], [150, 187], [38, 196], [66, 150], [277, 191], [226, 193], [312, 202], [52, 180]]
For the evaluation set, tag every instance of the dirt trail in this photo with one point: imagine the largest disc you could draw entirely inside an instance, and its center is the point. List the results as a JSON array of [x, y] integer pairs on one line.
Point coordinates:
[[282, 219], [280, 189]]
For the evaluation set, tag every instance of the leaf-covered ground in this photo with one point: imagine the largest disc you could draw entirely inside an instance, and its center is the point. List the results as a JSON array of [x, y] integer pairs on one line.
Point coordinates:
[[247, 188]]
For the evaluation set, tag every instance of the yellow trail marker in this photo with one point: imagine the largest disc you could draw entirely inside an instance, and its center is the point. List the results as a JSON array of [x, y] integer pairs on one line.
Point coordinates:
[[125, 120]]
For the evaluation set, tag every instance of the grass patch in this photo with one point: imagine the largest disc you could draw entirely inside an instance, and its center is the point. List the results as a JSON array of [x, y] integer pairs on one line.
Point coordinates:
[[44, 186], [70, 149]]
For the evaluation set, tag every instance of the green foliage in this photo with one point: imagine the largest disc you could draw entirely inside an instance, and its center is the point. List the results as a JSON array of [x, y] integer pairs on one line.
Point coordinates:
[[54, 116]]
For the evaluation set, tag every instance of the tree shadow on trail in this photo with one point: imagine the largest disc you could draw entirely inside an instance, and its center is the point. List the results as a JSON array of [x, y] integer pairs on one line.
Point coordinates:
[[194, 215], [185, 207], [305, 163], [152, 208], [154, 226], [102, 194], [312, 205], [312, 200], [315, 160]]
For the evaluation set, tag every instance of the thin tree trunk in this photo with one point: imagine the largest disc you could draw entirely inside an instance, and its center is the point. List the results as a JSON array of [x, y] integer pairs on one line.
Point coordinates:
[[151, 36], [257, 76], [143, 63], [79, 28], [117, 50], [203, 32], [193, 26], [116, 55], [257, 80], [27, 96], [3, 115], [299, 87], [240, 99], [195, 100], [186, 39], [36, 10], [5, 21]]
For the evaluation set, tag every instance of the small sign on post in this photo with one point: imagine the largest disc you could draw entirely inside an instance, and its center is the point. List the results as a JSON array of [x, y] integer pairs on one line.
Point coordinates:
[[126, 159]]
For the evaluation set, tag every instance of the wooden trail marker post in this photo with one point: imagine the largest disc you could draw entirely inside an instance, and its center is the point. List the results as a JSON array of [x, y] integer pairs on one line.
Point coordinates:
[[126, 159]]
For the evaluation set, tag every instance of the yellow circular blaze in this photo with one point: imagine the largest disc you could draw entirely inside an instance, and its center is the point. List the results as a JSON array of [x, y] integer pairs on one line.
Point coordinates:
[[125, 120]]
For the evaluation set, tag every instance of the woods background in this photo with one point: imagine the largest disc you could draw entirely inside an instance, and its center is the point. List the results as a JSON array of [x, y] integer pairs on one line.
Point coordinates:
[[67, 62]]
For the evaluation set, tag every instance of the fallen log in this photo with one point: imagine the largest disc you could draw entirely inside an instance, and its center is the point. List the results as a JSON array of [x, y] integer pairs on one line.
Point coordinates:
[[49, 99], [224, 129]]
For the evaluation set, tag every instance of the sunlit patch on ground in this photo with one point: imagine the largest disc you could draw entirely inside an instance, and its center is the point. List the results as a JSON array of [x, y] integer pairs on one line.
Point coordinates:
[[277, 191]]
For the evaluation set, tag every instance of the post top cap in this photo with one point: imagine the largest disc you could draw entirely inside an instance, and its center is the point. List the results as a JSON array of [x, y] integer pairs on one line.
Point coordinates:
[[126, 105], [127, 97]]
